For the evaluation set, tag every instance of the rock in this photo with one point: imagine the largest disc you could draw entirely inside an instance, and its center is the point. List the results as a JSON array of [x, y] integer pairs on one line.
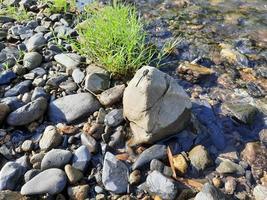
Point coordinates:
[[204, 114], [260, 192], [155, 105], [81, 158], [10, 195], [156, 151], [13, 102], [199, 158], [112, 95], [77, 75], [193, 72], [38, 92], [89, 142], [36, 42], [68, 60], [73, 174], [241, 111], [28, 113], [97, 79], [41, 184], [115, 174], [209, 192], [50, 139], [158, 184], [10, 175], [156, 165], [262, 135], [72, 107], [229, 167], [230, 185], [32, 60], [20, 88], [217, 182], [30, 174], [180, 164], [36, 160], [56, 158], [27, 145], [6, 77], [4, 110], [114, 118], [233, 56], [135, 177], [256, 156], [79, 192]]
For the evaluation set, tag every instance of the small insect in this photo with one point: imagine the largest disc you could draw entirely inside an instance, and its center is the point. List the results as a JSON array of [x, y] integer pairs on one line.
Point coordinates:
[[145, 72]]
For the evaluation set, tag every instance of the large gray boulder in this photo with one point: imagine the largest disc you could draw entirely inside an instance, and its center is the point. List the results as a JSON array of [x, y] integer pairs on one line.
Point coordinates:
[[72, 107], [155, 105]]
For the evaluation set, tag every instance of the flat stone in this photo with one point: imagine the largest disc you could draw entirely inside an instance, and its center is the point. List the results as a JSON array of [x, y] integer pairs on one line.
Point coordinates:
[[72, 107], [36, 42], [56, 158], [111, 95], [115, 174], [193, 72], [20, 88], [81, 158], [51, 138], [155, 105], [32, 60], [28, 113], [156, 151], [68, 60], [199, 158], [229, 167], [6, 77], [41, 184], [158, 184]]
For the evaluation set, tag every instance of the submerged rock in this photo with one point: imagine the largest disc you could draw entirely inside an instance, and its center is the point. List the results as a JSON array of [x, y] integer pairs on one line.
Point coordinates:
[[155, 105]]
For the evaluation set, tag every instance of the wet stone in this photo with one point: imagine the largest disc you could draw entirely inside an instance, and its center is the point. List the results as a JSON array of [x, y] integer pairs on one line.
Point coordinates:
[[241, 111]]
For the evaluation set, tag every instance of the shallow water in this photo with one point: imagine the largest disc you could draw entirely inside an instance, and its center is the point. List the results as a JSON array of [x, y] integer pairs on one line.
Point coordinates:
[[204, 24]]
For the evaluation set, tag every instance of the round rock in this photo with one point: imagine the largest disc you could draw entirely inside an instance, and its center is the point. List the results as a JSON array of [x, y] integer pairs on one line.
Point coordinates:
[[56, 158]]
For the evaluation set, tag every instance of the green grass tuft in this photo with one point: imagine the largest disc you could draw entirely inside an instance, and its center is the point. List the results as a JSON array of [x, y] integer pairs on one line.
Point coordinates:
[[19, 14], [113, 37]]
